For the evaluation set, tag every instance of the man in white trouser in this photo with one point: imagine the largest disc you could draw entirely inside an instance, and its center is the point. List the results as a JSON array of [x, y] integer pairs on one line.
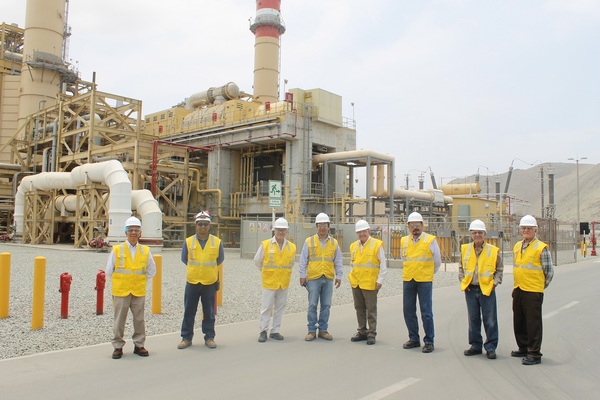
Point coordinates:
[[274, 258]]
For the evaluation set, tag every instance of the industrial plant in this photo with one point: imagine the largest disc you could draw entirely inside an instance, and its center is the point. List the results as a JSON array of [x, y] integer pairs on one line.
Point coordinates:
[[76, 162]]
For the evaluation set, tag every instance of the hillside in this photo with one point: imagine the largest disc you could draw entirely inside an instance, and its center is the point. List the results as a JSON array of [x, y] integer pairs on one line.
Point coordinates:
[[526, 185]]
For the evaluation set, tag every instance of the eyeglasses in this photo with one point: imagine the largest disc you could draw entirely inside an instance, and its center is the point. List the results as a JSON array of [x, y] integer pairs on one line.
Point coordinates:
[[322, 225], [414, 225], [134, 230], [203, 224], [477, 232], [527, 228]]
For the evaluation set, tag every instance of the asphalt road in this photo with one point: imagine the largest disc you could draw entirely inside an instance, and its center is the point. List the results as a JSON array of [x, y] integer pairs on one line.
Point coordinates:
[[294, 369]]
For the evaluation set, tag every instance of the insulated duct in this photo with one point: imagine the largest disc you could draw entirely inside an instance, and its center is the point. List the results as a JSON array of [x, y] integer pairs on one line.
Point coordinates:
[[110, 173], [148, 209], [142, 201]]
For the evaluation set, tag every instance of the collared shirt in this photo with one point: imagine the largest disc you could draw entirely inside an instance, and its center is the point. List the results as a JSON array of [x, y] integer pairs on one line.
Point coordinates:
[[184, 250], [497, 275], [435, 250], [260, 253], [546, 260], [337, 259], [380, 256], [112, 260]]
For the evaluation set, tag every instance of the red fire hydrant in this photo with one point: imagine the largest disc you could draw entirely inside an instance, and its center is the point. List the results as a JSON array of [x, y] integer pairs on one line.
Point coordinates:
[[65, 287], [100, 285]]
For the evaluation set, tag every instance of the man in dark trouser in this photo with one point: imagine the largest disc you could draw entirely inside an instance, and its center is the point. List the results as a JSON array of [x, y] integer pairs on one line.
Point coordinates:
[[533, 271], [369, 267], [203, 254]]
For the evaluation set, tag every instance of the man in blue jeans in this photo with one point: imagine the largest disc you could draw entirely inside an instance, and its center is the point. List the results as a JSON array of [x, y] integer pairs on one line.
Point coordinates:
[[421, 259], [202, 253], [320, 262], [479, 273]]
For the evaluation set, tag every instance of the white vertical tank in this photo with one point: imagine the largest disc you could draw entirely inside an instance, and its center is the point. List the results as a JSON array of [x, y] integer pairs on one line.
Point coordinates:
[[42, 56]]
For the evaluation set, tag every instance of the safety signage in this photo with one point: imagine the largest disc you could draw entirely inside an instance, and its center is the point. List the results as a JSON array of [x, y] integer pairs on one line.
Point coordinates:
[[274, 193]]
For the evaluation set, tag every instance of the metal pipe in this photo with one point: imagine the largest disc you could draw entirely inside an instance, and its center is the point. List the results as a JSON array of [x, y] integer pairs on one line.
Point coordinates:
[[110, 173]]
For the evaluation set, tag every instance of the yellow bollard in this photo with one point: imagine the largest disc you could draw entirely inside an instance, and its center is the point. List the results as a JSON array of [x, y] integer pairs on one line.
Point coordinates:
[[220, 291], [4, 284], [39, 291], [157, 286]]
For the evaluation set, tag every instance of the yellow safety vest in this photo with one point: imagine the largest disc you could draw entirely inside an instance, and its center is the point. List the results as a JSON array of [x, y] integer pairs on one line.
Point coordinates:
[[486, 266], [527, 268], [320, 260], [130, 275], [277, 264], [202, 263], [365, 264], [418, 259]]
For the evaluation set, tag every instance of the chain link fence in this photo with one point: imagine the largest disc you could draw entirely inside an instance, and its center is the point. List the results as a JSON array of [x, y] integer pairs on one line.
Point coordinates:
[[562, 237]]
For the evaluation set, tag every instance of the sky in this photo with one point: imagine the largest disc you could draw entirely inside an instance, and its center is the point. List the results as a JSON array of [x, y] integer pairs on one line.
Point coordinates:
[[452, 87]]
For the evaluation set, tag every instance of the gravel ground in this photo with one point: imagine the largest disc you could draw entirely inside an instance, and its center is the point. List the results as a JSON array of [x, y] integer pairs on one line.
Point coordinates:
[[241, 297]]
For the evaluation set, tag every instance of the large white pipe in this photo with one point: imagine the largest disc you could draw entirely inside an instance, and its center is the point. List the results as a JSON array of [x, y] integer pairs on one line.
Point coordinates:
[[378, 175], [213, 95], [110, 173], [142, 201], [427, 195], [349, 155], [148, 209]]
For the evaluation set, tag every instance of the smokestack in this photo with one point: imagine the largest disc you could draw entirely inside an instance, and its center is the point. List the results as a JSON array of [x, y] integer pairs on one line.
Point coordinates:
[[267, 29], [42, 56]]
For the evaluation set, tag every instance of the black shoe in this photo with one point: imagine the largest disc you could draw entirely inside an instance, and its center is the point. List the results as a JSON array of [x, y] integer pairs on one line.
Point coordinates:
[[262, 337], [371, 340], [518, 353], [411, 344], [428, 348], [491, 354], [117, 353], [472, 352], [358, 337], [276, 336], [531, 361], [141, 351]]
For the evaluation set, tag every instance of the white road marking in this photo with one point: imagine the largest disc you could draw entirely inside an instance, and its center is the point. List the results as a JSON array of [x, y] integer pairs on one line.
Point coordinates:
[[553, 313], [396, 387]]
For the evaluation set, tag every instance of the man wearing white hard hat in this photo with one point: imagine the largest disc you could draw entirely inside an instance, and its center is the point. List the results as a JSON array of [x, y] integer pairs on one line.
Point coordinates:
[[203, 254], [421, 260], [320, 263], [479, 272], [275, 259], [367, 258], [130, 266], [533, 271]]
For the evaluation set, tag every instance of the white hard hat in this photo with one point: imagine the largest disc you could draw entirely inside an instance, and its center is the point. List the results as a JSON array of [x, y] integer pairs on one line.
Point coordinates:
[[361, 225], [321, 218], [414, 217], [281, 223], [528, 220], [132, 221], [202, 216], [477, 225]]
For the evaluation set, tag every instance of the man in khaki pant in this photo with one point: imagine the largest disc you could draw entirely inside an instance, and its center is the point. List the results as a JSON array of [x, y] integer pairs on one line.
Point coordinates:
[[130, 265]]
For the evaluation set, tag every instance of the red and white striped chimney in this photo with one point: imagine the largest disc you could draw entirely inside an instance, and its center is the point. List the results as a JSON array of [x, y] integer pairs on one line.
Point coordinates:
[[267, 28]]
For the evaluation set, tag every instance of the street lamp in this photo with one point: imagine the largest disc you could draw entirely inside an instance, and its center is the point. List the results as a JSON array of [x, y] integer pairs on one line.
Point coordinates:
[[577, 168]]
